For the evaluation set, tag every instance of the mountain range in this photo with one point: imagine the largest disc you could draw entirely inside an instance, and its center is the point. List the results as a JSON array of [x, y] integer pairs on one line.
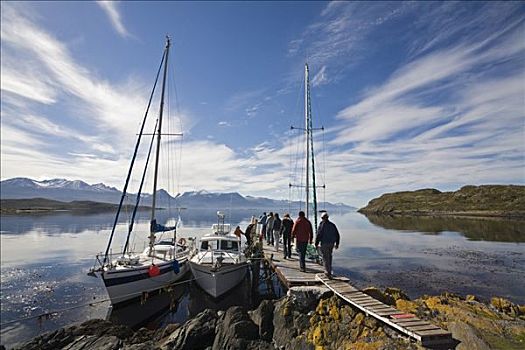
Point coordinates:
[[77, 190]]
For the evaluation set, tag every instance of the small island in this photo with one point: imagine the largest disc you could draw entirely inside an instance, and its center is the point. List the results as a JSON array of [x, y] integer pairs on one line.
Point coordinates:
[[480, 201], [43, 205]]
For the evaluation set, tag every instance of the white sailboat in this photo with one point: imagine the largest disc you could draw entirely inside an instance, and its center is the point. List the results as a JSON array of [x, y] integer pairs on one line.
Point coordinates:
[[218, 262], [162, 263]]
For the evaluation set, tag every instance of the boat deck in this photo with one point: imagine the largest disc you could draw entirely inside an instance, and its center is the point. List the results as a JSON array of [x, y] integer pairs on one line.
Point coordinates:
[[290, 275]]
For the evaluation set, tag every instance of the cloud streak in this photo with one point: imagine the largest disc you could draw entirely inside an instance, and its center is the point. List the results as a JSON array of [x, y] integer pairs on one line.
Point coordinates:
[[111, 10]]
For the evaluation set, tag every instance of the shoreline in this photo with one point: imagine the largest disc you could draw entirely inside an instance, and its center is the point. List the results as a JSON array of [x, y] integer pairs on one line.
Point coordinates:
[[308, 318], [444, 214]]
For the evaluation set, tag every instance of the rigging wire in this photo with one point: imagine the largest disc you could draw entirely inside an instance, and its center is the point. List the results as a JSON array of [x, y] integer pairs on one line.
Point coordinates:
[[298, 155]]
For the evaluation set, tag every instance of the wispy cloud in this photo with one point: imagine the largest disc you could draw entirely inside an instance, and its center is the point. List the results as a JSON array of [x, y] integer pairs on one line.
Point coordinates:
[[321, 77], [336, 38], [112, 11]]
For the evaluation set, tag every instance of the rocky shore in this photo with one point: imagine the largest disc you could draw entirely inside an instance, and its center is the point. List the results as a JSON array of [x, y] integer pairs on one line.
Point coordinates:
[[307, 318]]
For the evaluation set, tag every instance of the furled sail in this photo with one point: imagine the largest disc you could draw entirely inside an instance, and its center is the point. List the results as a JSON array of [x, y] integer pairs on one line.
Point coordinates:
[[155, 227]]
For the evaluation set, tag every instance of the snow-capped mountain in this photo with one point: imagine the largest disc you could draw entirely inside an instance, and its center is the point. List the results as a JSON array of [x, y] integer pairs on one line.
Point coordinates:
[[57, 189], [70, 190]]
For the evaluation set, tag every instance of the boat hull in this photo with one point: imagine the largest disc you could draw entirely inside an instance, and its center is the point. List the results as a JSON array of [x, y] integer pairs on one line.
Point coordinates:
[[217, 283], [129, 284]]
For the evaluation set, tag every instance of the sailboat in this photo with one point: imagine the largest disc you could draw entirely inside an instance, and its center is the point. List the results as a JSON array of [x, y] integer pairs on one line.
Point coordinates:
[[128, 275], [218, 262]]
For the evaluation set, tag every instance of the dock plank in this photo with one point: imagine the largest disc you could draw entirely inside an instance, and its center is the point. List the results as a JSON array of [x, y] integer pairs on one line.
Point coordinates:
[[428, 327], [437, 332]]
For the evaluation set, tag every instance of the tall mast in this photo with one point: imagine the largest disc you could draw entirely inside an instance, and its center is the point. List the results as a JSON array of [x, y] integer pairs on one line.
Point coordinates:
[[307, 136], [157, 155], [309, 131], [314, 185]]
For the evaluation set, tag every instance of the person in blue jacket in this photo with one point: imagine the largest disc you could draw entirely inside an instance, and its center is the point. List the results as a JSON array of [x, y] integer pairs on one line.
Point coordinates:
[[328, 236]]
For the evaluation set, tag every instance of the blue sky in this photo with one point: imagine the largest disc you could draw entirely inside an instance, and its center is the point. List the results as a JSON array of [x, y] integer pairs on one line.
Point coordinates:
[[411, 94]]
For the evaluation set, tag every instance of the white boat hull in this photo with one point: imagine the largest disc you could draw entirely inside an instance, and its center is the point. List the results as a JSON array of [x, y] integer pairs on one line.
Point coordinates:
[[129, 284], [217, 283]]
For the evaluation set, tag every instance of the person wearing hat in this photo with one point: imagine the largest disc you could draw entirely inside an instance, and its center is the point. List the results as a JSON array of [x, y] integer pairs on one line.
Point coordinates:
[[328, 236]]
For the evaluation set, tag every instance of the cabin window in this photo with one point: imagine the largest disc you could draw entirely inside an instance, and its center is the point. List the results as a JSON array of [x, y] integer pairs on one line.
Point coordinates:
[[205, 245], [229, 245]]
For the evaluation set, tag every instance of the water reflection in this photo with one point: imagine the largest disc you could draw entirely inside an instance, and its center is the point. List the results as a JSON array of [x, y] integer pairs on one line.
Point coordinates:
[[72, 222], [477, 229], [149, 310]]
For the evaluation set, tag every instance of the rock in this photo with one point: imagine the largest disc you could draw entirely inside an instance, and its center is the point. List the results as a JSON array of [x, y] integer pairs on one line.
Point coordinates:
[[471, 298], [141, 336], [263, 318], [301, 322], [283, 329], [149, 345], [166, 331], [106, 342], [377, 294], [506, 306], [406, 306], [234, 330], [305, 298], [101, 327], [100, 332], [197, 333], [469, 337], [396, 294]]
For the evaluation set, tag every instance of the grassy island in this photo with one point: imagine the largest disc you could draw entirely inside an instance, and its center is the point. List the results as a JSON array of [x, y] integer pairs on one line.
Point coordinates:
[[484, 201]]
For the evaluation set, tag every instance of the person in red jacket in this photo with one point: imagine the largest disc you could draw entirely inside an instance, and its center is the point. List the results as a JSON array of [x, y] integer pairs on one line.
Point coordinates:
[[303, 233]]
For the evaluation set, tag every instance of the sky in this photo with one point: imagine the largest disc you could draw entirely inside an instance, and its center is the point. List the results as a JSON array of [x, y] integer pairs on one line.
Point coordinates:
[[410, 94]]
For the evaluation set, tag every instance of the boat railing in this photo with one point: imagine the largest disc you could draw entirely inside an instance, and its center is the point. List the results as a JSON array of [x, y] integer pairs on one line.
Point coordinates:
[[212, 253]]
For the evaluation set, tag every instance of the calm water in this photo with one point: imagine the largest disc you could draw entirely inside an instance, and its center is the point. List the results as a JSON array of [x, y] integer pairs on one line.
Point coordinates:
[[45, 258]]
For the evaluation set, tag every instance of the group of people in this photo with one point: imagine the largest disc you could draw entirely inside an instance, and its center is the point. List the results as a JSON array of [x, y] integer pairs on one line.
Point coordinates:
[[301, 230]]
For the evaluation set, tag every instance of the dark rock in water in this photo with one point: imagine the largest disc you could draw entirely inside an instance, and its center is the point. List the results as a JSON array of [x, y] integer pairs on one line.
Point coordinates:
[[197, 333], [92, 334], [263, 318], [235, 330]]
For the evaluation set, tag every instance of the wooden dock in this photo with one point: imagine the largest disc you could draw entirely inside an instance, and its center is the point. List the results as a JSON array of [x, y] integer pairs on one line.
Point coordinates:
[[288, 270], [290, 275]]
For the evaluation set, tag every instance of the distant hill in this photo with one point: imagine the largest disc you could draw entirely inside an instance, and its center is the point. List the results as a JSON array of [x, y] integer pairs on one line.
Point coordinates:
[[38, 205], [485, 200], [67, 190]]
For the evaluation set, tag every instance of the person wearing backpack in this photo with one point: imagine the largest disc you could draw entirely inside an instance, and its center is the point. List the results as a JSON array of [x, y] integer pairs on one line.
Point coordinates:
[[276, 230]]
